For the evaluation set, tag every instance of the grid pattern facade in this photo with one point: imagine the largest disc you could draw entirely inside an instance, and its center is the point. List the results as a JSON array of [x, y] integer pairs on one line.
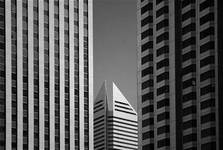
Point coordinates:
[[46, 74], [179, 74]]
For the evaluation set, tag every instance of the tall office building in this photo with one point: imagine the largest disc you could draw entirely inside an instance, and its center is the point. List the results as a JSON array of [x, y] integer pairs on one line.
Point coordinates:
[[180, 70], [115, 121], [46, 76]]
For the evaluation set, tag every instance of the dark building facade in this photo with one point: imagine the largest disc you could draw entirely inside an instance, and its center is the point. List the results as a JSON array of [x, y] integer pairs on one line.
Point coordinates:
[[46, 74], [180, 74]]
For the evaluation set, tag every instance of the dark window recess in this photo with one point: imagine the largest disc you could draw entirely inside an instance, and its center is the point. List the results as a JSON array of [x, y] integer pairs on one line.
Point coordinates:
[[163, 116], [162, 37], [163, 76], [162, 63], [187, 2], [207, 32], [207, 89], [147, 122], [163, 142], [189, 96], [147, 58], [206, 61], [159, 1], [188, 83], [148, 32], [189, 14], [146, 8], [163, 129], [207, 18], [189, 110], [189, 69], [162, 50], [208, 118], [208, 146], [206, 4], [148, 83], [147, 45], [188, 42], [208, 103], [189, 55], [147, 20], [189, 28], [148, 146], [189, 124], [208, 132], [147, 109], [163, 89], [161, 11], [207, 46], [147, 71], [189, 138], [147, 135], [162, 103], [207, 75], [148, 96], [162, 24]]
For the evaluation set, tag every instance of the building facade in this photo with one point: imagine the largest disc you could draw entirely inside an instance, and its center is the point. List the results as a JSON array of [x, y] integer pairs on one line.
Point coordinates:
[[180, 74], [46, 67], [115, 121]]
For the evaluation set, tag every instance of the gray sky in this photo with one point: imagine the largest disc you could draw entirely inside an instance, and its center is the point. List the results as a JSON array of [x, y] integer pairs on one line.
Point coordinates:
[[115, 46]]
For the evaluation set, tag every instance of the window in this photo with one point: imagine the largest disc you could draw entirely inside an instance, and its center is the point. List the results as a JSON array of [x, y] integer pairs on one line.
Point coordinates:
[[207, 89], [162, 103], [208, 132], [189, 96], [162, 63], [147, 20], [187, 2], [208, 103], [189, 69], [147, 58], [163, 129], [148, 83], [189, 124], [189, 138], [208, 146], [147, 109], [189, 110], [208, 118], [163, 142], [147, 45], [189, 55], [146, 8], [148, 146], [161, 11], [163, 89], [162, 24], [162, 37], [188, 83], [206, 4], [189, 14], [207, 32], [189, 28], [148, 96], [207, 46], [188, 42], [162, 50], [206, 61], [206, 18], [162, 116], [147, 122], [207, 75], [147, 71], [163, 76], [147, 33], [147, 135]]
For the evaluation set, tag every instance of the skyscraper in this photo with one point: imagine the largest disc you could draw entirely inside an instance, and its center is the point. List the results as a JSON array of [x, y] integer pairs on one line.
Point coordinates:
[[46, 74], [180, 70], [115, 121]]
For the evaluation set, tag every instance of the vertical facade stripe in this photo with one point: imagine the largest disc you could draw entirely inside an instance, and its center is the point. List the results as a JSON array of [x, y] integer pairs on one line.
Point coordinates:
[[19, 76], [41, 74], [71, 73], [51, 75], [90, 63], [8, 74], [62, 97], [81, 73], [30, 77]]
